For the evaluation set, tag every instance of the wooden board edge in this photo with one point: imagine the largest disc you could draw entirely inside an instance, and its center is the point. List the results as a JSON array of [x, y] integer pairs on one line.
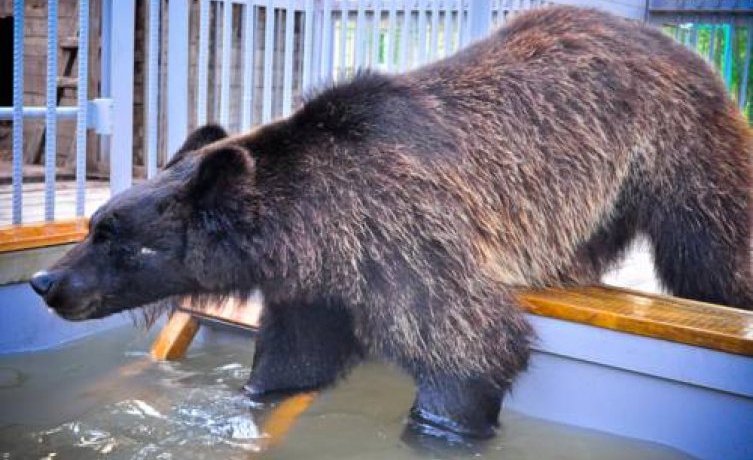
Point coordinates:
[[638, 326], [42, 234]]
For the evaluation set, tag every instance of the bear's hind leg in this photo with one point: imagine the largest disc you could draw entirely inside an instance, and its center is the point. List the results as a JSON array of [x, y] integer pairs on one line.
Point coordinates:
[[701, 257], [301, 347]]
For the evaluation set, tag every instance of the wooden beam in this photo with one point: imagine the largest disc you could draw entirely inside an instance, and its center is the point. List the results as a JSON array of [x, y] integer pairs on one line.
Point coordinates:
[[36, 235], [175, 337]]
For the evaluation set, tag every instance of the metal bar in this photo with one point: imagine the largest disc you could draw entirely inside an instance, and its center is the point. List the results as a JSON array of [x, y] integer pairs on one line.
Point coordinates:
[[326, 50], [18, 103], [433, 48], [203, 64], [177, 73], [447, 28], [344, 13], [227, 43], [269, 46], [389, 47], [152, 90], [308, 44], [746, 68], [121, 141], [712, 44], [105, 62], [359, 41], [287, 86], [729, 37], [317, 42], [376, 20], [479, 18], [83, 103], [51, 118], [248, 66], [421, 44], [462, 25], [67, 112], [405, 37]]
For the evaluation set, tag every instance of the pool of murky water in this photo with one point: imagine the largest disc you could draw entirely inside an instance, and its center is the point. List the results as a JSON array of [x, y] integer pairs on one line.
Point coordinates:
[[104, 397]]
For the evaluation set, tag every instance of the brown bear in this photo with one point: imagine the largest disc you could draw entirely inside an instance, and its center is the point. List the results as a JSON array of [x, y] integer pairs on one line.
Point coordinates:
[[394, 216]]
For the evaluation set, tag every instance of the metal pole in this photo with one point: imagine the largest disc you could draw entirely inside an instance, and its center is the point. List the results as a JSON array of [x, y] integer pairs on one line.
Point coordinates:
[[479, 18], [83, 104], [18, 105], [177, 73], [121, 145], [51, 121]]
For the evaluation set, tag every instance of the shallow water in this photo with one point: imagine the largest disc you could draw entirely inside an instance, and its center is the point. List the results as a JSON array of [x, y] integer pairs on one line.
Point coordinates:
[[105, 398]]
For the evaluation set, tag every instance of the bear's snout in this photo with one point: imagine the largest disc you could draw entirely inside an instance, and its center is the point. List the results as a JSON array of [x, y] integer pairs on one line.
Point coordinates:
[[42, 282]]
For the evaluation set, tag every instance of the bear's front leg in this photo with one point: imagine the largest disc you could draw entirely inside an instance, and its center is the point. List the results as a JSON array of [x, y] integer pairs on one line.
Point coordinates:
[[450, 406], [301, 347]]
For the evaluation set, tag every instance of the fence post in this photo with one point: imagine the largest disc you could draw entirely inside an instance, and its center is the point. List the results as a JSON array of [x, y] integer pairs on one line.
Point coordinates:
[[479, 18], [121, 87], [177, 74]]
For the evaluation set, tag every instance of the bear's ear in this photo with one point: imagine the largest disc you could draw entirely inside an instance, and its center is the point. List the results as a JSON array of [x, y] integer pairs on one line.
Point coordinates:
[[199, 138], [218, 170]]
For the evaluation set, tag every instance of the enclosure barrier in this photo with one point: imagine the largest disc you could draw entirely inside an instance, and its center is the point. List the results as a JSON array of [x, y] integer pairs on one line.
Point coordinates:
[[246, 62]]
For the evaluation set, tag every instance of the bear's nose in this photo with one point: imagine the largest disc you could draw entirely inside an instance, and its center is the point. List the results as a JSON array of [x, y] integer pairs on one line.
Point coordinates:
[[41, 282]]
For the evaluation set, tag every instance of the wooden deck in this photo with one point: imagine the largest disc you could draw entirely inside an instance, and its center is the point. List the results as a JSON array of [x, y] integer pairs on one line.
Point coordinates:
[[97, 192]]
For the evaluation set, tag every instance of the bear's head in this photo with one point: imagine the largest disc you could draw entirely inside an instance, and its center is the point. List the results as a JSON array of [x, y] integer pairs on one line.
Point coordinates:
[[176, 234]]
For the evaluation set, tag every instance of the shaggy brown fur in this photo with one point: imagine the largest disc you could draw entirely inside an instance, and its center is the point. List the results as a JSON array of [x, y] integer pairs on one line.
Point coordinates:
[[394, 216]]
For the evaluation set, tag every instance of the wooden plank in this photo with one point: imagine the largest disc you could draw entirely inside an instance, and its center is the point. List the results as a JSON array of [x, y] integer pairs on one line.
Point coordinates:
[[663, 317], [29, 236], [283, 417], [175, 337]]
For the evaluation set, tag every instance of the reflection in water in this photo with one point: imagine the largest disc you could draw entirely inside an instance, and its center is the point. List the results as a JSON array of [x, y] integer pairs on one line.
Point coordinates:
[[104, 398]]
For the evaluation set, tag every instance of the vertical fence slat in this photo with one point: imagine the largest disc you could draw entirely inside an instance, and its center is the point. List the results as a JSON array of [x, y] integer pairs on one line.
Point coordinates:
[[105, 68], [269, 46], [729, 38], [227, 47], [248, 65], [325, 70], [344, 13], [376, 20], [433, 45], [82, 102], [152, 91], [421, 43], [308, 44], [18, 103], [121, 141], [479, 18], [177, 72], [712, 44], [405, 37], [391, 30], [746, 68], [203, 64], [447, 28], [51, 115], [287, 87], [359, 39]]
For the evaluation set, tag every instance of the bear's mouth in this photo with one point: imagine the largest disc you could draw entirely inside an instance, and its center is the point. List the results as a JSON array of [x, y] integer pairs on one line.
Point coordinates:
[[89, 310]]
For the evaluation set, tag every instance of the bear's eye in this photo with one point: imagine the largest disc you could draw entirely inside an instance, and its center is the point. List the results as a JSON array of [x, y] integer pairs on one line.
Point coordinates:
[[104, 231]]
